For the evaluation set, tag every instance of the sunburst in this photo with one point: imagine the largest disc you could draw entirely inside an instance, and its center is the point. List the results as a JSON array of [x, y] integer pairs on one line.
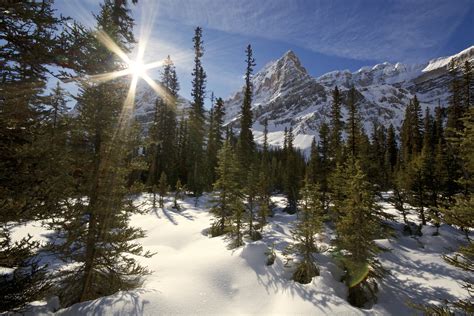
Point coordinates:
[[134, 67]]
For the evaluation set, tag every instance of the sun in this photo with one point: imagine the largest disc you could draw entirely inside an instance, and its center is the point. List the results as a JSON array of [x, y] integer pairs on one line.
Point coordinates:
[[137, 68]]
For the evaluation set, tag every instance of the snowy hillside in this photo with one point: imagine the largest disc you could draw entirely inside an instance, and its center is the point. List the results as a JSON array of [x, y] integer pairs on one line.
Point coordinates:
[[286, 95], [195, 274]]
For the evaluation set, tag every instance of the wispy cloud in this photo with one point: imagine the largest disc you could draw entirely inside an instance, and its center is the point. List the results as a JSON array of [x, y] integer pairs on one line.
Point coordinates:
[[403, 30]]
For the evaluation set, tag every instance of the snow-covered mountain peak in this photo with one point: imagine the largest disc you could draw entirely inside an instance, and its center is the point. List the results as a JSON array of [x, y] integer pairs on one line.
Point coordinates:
[[442, 62], [291, 61], [277, 73], [286, 95], [274, 80]]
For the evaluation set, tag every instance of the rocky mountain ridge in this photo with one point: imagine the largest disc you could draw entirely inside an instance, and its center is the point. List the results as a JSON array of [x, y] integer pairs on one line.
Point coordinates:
[[286, 95]]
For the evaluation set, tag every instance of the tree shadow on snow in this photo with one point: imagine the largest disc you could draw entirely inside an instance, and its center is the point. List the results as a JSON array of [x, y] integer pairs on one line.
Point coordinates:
[[397, 293], [121, 303], [171, 214], [277, 279]]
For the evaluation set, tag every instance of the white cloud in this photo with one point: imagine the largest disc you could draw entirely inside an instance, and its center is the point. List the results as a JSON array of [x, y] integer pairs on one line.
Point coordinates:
[[375, 30]]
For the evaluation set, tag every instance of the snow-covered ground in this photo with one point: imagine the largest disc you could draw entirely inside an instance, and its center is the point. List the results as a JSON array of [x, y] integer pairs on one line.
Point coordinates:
[[195, 274]]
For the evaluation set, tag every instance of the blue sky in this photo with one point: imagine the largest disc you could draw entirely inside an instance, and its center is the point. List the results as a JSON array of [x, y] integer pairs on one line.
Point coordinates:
[[326, 35]]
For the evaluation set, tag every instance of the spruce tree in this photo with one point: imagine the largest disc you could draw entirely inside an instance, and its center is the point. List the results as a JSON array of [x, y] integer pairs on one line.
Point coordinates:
[[325, 163], [182, 149], [456, 107], [264, 181], [95, 233], [335, 128], [411, 131], [291, 176], [357, 228], [353, 125], [251, 193], [169, 78], [56, 115], [162, 135], [391, 152], [31, 43], [374, 159], [163, 189], [178, 193], [229, 200], [215, 138], [428, 170], [461, 214], [309, 224], [196, 124], [246, 145]]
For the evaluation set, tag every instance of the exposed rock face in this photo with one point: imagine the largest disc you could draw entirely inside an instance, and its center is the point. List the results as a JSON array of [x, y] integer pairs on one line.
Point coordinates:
[[286, 95]]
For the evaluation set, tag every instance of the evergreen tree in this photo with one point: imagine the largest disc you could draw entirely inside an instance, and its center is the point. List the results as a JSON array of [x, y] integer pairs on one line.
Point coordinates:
[[95, 233], [335, 128], [196, 125], [229, 207], [313, 168], [325, 163], [411, 131], [251, 192], [456, 107], [353, 125], [291, 180], [411, 170], [304, 233], [375, 166], [414, 185], [246, 145], [162, 135], [169, 78], [178, 193], [215, 138], [460, 214], [58, 109], [163, 189], [357, 228], [428, 164], [337, 182], [181, 149], [28, 282], [264, 181], [32, 44], [391, 152]]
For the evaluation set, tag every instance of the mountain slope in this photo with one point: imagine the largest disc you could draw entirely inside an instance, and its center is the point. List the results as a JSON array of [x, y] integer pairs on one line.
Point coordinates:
[[286, 95], [145, 104]]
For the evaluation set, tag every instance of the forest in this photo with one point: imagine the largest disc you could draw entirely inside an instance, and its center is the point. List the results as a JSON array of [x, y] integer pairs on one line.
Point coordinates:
[[79, 172]]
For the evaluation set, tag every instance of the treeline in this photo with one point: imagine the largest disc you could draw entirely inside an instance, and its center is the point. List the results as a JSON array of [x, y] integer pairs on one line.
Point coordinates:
[[80, 173]]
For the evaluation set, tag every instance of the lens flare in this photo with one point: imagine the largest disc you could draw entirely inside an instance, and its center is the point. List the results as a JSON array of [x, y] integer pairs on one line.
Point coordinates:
[[137, 68]]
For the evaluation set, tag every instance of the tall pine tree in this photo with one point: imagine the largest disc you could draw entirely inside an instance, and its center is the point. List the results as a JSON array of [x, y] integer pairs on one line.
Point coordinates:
[[246, 145], [196, 125]]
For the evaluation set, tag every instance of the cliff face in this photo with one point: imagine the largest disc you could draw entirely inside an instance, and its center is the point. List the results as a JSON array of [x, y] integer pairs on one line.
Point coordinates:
[[286, 95]]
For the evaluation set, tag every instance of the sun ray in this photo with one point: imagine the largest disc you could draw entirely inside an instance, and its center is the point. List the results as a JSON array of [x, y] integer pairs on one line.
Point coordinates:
[[127, 109], [110, 75], [110, 44], [154, 64], [137, 69], [167, 97]]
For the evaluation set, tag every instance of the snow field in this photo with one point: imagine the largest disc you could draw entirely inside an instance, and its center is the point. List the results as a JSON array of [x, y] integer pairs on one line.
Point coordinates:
[[193, 274]]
